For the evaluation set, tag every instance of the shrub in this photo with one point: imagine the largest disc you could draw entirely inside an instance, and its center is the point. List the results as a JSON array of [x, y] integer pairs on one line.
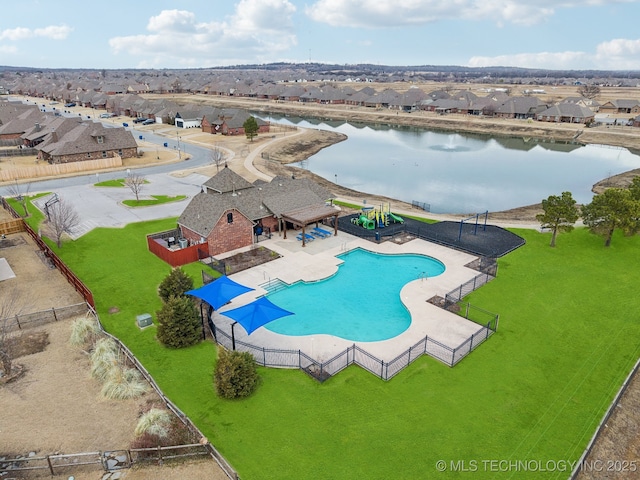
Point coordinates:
[[104, 359], [178, 323], [84, 331], [154, 422], [235, 374], [123, 383], [175, 284]]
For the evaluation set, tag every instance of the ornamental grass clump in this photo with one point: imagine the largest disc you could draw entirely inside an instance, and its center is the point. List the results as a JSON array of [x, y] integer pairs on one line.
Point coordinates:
[[156, 422], [123, 383], [84, 331], [104, 359]]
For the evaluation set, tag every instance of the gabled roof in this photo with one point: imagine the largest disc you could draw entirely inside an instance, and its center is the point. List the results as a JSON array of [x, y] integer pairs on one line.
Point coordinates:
[[255, 201], [225, 181], [567, 110], [89, 137]]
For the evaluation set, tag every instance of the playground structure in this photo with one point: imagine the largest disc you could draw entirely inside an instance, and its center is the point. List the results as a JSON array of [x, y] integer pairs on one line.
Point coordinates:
[[477, 218], [372, 218]]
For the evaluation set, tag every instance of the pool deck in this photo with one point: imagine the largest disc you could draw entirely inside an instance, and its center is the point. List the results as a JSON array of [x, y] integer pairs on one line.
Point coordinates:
[[318, 260]]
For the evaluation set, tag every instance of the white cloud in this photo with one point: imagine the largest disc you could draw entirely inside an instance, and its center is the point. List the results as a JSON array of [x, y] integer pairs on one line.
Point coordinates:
[[617, 54], [394, 13], [54, 32], [258, 29]]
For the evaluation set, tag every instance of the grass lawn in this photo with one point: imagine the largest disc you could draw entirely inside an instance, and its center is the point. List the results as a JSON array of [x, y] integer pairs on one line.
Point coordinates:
[[156, 200], [117, 182], [536, 390], [35, 215]]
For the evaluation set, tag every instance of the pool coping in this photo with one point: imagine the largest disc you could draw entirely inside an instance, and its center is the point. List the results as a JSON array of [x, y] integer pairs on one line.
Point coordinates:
[[319, 260]]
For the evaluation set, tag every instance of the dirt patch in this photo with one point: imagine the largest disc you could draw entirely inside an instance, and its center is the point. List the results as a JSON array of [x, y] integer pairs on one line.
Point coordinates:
[[56, 406], [302, 146], [28, 343], [34, 275]]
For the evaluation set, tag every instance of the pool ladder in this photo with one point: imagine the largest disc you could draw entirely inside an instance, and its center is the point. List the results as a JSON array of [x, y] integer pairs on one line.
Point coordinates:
[[422, 276], [274, 285]]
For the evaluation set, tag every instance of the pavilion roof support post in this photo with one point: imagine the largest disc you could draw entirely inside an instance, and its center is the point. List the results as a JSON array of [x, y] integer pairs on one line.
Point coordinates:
[[304, 236], [335, 225]]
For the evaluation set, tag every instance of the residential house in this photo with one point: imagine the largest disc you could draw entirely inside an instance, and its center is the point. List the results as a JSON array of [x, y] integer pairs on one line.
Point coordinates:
[[521, 108], [566, 113], [231, 213], [235, 125], [16, 120], [186, 118], [620, 106], [87, 141]]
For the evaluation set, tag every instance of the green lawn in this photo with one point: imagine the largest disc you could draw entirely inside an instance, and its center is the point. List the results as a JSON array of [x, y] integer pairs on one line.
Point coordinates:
[[536, 390], [116, 182], [155, 200]]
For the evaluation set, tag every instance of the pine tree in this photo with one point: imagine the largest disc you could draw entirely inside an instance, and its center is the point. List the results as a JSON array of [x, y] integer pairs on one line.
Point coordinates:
[[178, 323], [175, 284]]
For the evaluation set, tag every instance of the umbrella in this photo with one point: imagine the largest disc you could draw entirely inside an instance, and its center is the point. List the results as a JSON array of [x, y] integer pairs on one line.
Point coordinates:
[[219, 292], [256, 314]]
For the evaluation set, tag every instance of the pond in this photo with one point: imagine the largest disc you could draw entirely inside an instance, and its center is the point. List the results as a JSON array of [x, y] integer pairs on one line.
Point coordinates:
[[460, 173]]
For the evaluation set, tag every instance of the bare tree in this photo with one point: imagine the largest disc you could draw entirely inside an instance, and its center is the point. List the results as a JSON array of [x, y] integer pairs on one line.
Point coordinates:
[[9, 306], [589, 91], [16, 192], [217, 158], [135, 183], [62, 218]]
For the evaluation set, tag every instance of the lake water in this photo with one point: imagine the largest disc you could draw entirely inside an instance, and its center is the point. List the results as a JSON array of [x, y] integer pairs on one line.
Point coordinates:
[[460, 173]]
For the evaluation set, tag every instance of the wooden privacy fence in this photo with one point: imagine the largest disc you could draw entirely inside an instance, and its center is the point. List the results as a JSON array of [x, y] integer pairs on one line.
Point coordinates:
[[46, 170]]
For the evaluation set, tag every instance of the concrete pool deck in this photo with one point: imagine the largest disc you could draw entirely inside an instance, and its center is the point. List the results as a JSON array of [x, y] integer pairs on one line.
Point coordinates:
[[318, 260]]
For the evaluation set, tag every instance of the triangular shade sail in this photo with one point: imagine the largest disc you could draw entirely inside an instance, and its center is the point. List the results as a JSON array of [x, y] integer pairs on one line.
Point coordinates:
[[256, 314], [219, 292]]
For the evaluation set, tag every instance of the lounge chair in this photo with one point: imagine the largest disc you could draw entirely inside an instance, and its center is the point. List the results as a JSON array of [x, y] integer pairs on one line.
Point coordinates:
[[322, 232]]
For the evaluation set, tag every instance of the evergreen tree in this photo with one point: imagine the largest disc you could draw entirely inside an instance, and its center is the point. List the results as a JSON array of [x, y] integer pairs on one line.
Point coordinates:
[[560, 214], [251, 128], [178, 323], [615, 208], [175, 284]]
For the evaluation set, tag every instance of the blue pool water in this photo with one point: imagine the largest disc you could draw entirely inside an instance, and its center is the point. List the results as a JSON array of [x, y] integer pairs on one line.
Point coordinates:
[[361, 302]]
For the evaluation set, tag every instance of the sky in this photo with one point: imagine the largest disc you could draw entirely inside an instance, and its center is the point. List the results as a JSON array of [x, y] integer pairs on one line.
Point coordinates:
[[548, 34]]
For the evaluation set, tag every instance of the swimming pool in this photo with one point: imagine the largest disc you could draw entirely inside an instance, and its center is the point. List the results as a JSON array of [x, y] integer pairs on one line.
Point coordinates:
[[361, 302]]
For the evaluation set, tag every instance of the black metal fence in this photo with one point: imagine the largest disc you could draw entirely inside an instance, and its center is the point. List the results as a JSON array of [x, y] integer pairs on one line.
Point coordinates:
[[421, 205], [321, 371], [491, 241]]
